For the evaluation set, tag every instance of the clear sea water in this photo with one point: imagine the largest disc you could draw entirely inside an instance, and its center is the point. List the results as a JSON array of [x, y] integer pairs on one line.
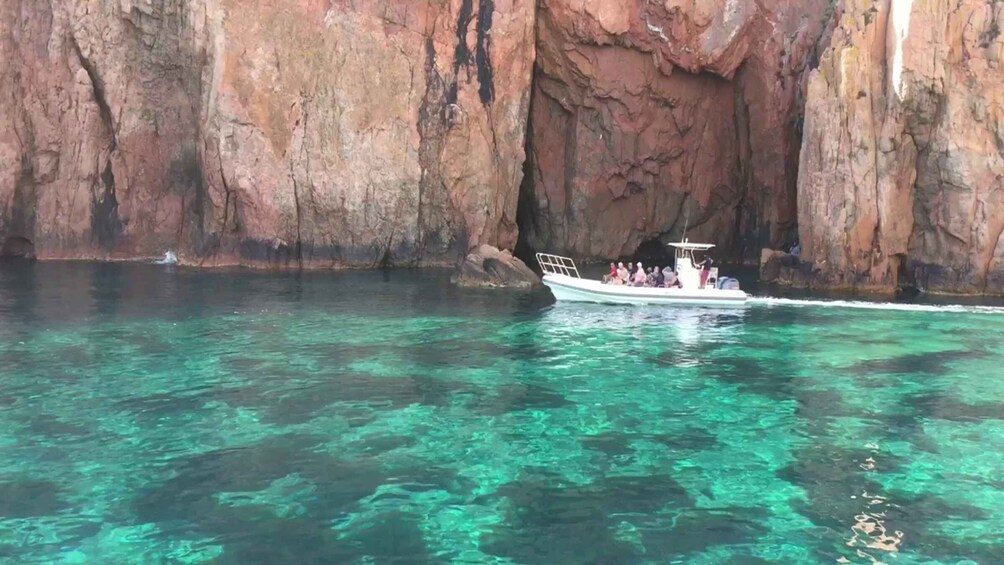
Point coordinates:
[[151, 414]]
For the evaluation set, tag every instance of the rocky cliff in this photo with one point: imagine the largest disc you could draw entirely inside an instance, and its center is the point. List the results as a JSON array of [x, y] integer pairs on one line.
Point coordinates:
[[313, 132], [649, 116], [325, 133], [902, 168]]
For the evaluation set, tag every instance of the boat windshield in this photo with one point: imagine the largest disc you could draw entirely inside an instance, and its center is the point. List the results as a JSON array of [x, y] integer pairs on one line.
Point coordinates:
[[685, 250]]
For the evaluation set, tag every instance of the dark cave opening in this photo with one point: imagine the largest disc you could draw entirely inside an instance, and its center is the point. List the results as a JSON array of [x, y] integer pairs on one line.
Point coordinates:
[[525, 213], [15, 247], [653, 252]]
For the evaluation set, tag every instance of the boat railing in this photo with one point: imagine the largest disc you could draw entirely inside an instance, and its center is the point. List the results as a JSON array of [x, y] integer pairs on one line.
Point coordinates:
[[557, 265]]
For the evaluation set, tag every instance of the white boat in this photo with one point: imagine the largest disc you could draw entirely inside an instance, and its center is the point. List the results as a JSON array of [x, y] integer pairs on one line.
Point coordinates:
[[561, 276]]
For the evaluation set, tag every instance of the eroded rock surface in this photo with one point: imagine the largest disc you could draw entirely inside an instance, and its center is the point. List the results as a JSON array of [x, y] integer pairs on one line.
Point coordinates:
[[324, 133], [263, 132], [902, 168], [649, 116], [488, 267]]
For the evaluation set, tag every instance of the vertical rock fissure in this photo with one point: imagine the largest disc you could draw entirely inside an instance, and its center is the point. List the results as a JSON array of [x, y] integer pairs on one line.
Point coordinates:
[[486, 78], [990, 260], [462, 53], [24, 207], [98, 88], [105, 223], [296, 205], [227, 195], [304, 104], [744, 178], [878, 115], [525, 209], [526, 215], [431, 116]]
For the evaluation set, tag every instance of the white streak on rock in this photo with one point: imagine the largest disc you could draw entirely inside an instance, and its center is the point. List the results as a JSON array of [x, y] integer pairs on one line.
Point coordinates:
[[901, 28]]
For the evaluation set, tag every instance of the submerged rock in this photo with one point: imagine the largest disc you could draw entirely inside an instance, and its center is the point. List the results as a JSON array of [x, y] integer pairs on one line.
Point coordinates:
[[487, 267]]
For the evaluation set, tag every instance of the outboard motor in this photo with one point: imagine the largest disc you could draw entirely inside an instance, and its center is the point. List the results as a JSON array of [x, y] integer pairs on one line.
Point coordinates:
[[728, 283]]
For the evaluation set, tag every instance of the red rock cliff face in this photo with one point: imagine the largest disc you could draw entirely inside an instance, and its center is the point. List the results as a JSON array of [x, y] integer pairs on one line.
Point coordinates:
[[649, 116], [313, 132], [902, 170]]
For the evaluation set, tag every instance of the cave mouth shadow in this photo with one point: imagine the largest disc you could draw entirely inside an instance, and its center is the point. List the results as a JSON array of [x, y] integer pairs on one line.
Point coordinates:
[[526, 213], [654, 252], [17, 248]]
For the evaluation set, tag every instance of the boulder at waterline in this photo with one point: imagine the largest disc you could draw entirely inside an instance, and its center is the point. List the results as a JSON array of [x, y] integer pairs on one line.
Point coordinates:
[[487, 267]]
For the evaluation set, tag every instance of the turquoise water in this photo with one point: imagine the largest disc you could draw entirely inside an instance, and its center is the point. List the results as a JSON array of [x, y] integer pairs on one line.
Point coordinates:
[[155, 415]]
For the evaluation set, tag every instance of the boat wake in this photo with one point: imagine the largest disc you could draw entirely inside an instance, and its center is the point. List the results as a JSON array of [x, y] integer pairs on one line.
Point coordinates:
[[862, 305]]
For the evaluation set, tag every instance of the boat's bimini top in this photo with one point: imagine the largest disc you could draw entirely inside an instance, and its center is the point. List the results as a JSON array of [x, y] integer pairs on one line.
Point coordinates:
[[692, 246]]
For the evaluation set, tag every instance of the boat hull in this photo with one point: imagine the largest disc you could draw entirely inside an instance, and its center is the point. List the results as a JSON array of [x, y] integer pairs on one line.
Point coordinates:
[[572, 289]]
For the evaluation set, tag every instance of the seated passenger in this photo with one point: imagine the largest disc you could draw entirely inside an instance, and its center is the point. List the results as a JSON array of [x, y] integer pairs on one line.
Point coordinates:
[[639, 276], [622, 274], [659, 279], [611, 275], [672, 281]]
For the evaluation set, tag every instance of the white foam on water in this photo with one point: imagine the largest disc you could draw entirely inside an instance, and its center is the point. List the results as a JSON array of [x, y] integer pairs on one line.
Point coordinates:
[[862, 305], [169, 259]]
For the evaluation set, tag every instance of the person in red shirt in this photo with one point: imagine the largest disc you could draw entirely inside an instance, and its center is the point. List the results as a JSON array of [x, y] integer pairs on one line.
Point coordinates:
[[705, 266], [609, 277]]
